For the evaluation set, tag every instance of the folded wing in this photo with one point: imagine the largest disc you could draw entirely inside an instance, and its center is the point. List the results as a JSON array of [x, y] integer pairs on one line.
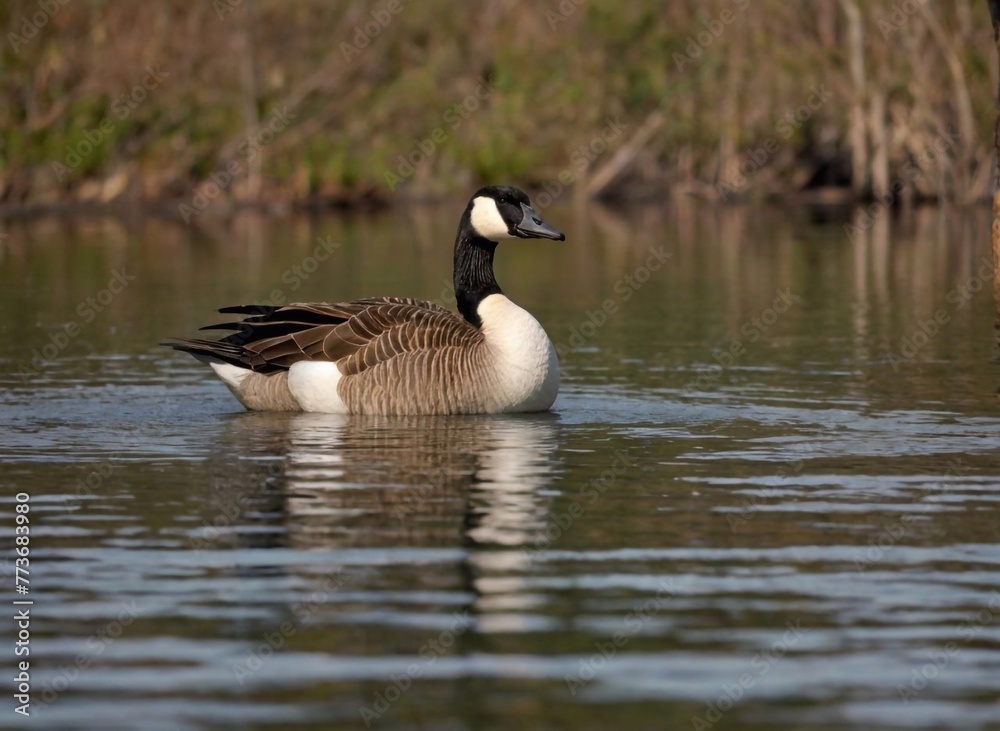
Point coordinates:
[[357, 335]]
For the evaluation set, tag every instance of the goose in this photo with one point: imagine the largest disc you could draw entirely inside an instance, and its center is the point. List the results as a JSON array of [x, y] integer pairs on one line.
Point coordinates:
[[397, 355]]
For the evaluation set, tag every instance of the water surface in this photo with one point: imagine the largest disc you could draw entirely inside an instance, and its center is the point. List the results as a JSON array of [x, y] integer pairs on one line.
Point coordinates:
[[767, 496]]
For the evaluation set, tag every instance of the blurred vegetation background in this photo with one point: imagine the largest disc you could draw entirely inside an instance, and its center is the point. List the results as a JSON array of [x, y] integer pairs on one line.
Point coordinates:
[[726, 99]]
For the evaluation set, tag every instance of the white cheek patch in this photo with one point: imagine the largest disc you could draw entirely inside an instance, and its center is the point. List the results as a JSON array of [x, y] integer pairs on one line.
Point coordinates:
[[487, 221]]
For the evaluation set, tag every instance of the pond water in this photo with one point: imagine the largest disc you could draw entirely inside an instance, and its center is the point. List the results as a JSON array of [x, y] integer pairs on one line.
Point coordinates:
[[768, 495]]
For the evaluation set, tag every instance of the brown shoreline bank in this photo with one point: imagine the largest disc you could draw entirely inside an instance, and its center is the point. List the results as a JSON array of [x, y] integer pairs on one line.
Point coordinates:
[[298, 106]]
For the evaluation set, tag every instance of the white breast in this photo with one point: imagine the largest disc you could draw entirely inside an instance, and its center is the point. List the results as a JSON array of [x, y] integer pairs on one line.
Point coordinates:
[[527, 367]]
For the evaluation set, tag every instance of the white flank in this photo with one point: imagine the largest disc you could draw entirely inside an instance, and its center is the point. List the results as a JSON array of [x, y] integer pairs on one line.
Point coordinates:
[[487, 221], [314, 386], [526, 362], [232, 376]]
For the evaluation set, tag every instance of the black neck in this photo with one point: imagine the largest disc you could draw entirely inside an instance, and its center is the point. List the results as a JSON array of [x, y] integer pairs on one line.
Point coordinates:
[[474, 280]]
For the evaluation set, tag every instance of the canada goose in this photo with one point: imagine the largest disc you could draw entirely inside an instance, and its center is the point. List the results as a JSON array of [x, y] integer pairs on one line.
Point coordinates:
[[394, 355]]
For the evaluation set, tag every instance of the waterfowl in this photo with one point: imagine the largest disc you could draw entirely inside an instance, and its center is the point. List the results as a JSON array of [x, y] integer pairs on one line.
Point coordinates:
[[396, 355]]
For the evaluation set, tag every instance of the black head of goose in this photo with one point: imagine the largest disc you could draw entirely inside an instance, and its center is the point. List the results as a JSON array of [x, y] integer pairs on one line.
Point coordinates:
[[395, 355]]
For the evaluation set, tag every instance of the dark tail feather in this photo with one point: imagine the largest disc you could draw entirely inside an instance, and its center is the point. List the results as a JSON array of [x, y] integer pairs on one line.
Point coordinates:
[[250, 309], [259, 329], [224, 326], [211, 350]]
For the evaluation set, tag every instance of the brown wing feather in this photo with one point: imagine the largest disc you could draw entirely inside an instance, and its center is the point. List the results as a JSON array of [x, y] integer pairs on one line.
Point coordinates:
[[358, 335], [399, 329]]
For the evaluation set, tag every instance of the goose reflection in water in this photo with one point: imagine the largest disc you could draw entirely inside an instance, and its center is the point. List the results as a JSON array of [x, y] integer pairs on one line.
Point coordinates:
[[391, 482]]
